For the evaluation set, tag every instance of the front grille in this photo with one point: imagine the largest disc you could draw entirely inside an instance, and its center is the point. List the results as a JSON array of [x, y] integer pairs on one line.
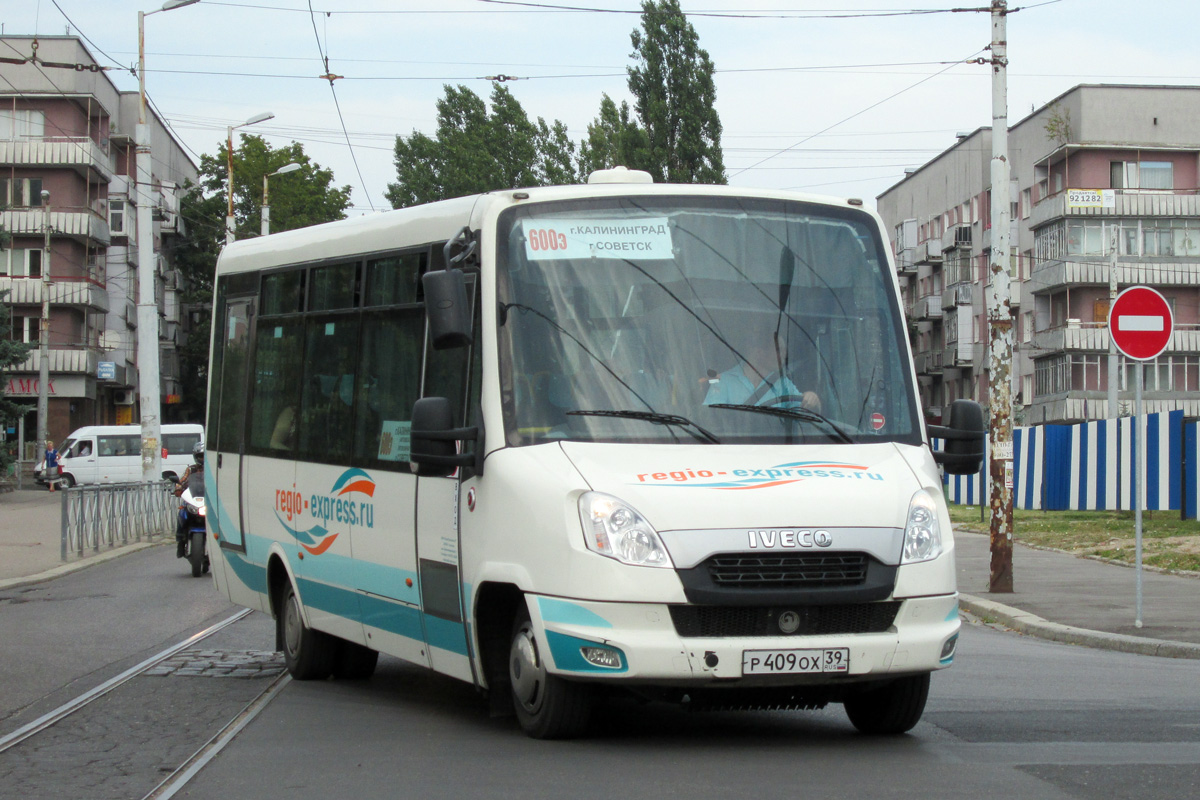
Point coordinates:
[[792, 571], [733, 621]]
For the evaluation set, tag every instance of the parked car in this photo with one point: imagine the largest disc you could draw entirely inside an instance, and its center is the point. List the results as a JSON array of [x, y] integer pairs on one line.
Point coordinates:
[[112, 454]]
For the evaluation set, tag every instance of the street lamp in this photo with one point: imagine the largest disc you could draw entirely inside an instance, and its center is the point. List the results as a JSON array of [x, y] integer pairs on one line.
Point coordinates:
[[149, 399], [266, 207], [257, 118]]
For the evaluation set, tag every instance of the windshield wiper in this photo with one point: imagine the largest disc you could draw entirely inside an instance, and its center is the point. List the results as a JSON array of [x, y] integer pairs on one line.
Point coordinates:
[[808, 415], [700, 434]]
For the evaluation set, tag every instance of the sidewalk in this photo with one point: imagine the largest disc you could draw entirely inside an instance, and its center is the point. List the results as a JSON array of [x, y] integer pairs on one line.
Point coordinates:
[[1056, 596], [31, 539], [1082, 601]]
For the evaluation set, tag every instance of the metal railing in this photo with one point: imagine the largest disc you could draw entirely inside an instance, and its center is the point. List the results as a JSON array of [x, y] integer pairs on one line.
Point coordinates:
[[106, 516]]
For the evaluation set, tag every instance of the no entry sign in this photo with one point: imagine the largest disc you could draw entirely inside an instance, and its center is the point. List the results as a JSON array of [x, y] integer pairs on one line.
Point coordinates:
[[1140, 323]]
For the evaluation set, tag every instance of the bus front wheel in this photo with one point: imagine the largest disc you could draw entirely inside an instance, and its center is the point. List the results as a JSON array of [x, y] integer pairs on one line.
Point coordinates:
[[307, 653], [891, 709], [547, 706]]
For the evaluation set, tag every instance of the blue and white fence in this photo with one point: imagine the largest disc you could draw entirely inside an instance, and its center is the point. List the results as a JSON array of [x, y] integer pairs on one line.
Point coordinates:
[[1091, 466]]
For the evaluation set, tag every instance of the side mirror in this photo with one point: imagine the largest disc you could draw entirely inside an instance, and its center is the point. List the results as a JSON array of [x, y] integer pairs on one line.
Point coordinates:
[[447, 308], [963, 454], [432, 451]]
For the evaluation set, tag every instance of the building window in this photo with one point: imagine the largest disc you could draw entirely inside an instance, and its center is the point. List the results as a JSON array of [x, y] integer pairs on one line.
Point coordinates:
[[20, 263], [1051, 375], [26, 329], [22, 124], [116, 217], [21, 192], [1026, 203], [1157, 175]]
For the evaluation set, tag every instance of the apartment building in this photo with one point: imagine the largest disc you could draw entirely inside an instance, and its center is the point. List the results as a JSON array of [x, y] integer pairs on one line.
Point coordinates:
[[1103, 178], [67, 165]]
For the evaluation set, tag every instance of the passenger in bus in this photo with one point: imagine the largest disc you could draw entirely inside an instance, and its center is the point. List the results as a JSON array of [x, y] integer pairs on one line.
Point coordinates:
[[756, 379], [283, 436]]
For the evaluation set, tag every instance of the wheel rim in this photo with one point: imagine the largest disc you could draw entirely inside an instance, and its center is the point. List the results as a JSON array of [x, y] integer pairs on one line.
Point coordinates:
[[527, 672], [291, 625]]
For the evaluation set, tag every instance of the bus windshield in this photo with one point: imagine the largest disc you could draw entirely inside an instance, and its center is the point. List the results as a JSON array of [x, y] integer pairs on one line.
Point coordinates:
[[699, 319]]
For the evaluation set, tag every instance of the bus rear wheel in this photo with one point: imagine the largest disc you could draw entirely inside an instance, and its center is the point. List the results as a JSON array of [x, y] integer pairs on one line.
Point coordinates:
[[891, 709], [547, 706], [307, 653]]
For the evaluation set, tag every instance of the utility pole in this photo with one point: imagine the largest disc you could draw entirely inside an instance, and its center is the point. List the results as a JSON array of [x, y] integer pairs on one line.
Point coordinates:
[[1113, 356], [149, 395], [1000, 316], [43, 400]]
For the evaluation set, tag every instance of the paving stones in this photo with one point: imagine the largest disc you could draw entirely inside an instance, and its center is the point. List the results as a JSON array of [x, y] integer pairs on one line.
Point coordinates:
[[200, 663]]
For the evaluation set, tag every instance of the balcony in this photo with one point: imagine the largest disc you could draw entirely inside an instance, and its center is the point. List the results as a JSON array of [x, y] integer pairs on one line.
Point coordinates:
[[1093, 337], [78, 293], [83, 155], [82, 224], [957, 295], [63, 360], [929, 307], [929, 252], [905, 265], [1056, 274], [929, 363], [1125, 203]]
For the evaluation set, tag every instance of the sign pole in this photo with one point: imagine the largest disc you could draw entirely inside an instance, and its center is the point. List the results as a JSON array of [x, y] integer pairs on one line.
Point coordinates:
[[1141, 325], [1139, 474]]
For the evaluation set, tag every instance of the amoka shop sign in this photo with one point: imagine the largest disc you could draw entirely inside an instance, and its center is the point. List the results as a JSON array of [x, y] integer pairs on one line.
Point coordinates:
[[29, 386]]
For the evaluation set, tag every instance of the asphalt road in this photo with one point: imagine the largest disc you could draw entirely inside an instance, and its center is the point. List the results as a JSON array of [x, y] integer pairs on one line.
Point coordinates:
[[1014, 718]]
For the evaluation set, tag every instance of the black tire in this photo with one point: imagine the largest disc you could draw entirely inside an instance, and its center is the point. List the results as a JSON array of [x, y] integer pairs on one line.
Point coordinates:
[[307, 653], [891, 709], [196, 552], [65, 481], [547, 706], [354, 662]]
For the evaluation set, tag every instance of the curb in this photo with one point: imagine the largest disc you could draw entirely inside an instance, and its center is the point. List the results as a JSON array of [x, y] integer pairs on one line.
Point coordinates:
[[75, 566], [1033, 625]]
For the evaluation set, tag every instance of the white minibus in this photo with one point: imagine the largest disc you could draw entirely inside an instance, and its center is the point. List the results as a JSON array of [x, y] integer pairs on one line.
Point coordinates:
[[113, 454], [574, 441]]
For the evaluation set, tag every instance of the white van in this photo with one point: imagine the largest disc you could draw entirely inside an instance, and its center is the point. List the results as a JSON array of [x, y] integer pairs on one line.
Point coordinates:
[[112, 454], [516, 438]]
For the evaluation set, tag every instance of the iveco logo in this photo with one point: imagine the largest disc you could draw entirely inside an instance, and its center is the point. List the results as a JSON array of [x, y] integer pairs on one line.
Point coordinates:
[[789, 538]]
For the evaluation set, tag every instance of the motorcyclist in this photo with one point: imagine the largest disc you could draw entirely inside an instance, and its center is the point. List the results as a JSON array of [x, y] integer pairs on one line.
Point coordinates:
[[196, 467]]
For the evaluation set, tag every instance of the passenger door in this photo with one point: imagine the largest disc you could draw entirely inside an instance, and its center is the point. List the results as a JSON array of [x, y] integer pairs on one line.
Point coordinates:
[[225, 493], [443, 597]]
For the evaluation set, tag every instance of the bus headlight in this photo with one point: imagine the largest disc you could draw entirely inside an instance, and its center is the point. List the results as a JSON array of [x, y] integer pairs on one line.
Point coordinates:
[[922, 532], [613, 528]]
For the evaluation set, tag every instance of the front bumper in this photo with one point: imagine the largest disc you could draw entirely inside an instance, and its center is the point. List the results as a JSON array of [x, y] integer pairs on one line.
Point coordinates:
[[653, 652]]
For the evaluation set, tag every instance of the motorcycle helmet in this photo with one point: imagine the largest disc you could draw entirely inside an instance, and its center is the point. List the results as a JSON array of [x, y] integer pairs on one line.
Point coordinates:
[[198, 454]]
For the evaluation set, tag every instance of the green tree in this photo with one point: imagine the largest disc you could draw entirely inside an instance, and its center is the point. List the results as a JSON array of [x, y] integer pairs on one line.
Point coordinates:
[[12, 353], [298, 199], [476, 150], [675, 97], [614, 139]]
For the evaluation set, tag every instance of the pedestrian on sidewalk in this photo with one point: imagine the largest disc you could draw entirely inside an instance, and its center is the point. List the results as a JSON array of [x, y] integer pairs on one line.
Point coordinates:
[[51, 465]]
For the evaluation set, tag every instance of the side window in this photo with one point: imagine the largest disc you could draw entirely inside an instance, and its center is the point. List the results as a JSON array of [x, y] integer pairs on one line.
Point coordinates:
[[180, 444], [131, 446], [389, 376], [327, 391], [281, 292], [275, 395], [394, 280], [333, 287]]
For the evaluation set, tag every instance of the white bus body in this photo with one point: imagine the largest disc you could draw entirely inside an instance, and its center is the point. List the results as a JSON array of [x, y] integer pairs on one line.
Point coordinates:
[[607, 513], [113, 453]]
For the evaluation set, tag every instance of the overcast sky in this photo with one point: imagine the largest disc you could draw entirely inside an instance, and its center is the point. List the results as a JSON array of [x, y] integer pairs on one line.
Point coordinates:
[[808, 101]]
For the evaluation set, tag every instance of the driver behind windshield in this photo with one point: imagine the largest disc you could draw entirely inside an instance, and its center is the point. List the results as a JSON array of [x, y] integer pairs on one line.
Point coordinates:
[[756, 378]]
